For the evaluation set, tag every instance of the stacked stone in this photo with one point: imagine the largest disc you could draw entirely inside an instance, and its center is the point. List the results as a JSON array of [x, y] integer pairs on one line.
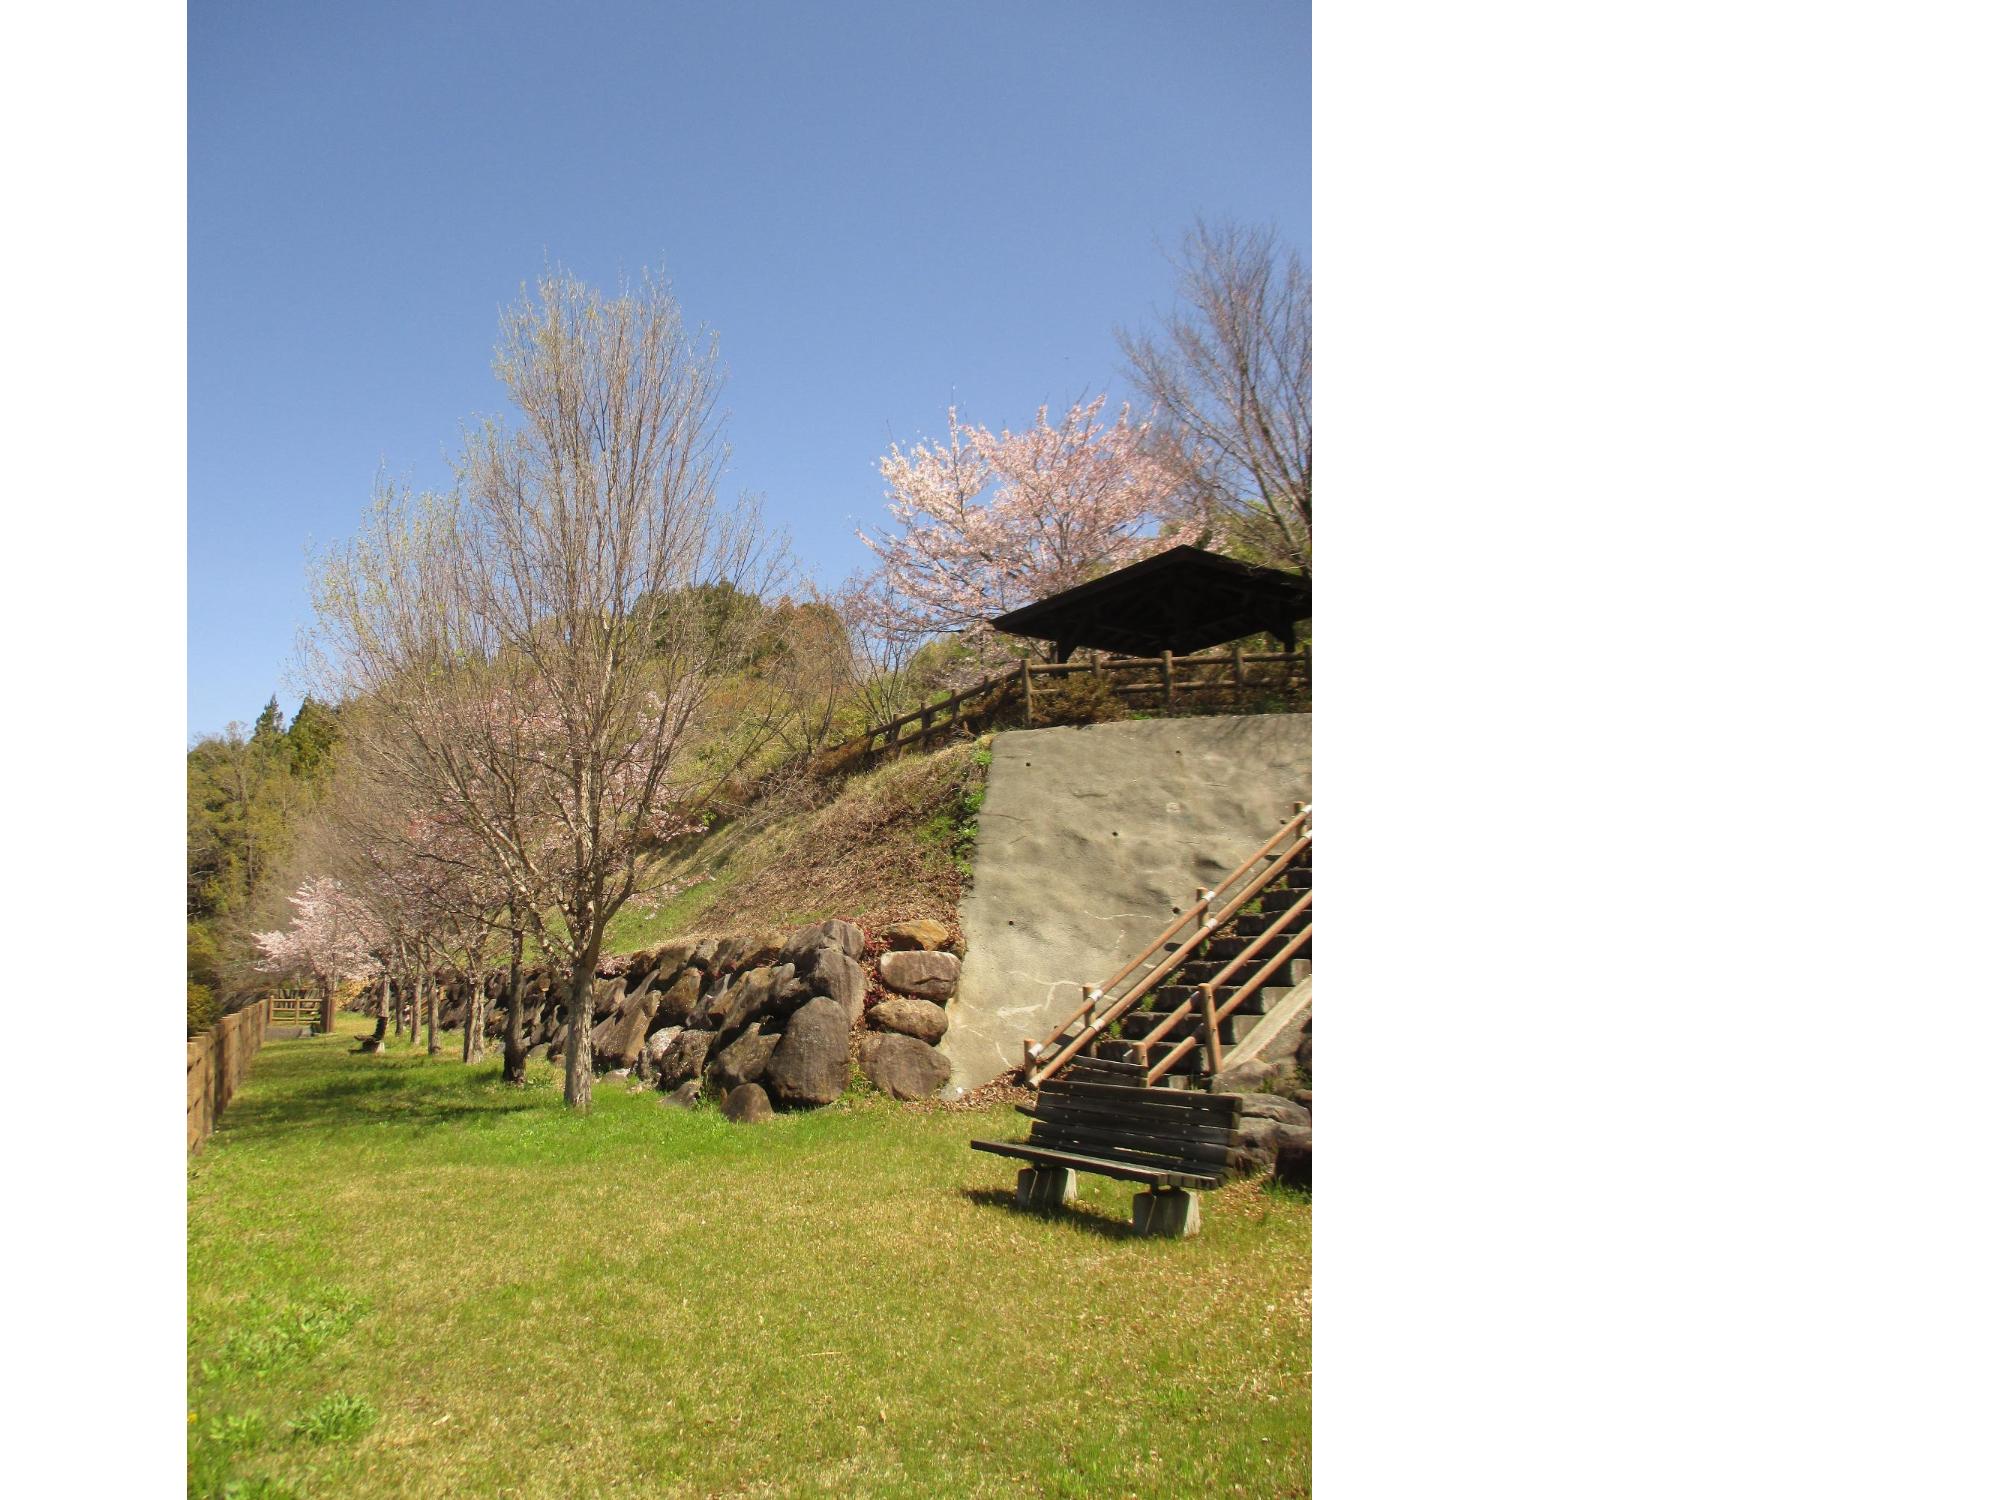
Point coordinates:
[[758, 1020], [899, 1052], [1275, 1132]]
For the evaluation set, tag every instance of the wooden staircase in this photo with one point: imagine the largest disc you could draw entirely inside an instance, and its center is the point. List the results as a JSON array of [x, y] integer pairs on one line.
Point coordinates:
[[1176, 1010]]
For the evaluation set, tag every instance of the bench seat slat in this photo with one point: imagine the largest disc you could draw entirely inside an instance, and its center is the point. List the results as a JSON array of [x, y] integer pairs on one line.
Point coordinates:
[[1055, 1113], [1123, 1143], [1162, 1101], [1123, 1171]]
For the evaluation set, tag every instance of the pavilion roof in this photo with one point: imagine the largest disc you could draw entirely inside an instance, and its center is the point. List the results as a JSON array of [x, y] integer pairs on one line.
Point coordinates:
[[1182, 600]]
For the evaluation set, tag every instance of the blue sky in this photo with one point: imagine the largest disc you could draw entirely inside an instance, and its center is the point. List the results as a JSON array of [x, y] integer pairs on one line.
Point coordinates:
[[880, 208]]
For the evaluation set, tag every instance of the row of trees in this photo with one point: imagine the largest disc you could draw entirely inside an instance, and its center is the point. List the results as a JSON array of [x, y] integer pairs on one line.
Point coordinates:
[[565, 661]]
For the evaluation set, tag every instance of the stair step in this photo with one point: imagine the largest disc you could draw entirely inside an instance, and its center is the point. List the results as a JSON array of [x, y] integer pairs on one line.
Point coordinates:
[[1141, 1023], [1167, 996], [1249, 924], [1201, 970], [1231, 947], [1177, 1076]]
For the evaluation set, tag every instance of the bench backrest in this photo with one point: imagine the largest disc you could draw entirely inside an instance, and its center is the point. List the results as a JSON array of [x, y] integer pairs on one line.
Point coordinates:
[[1175, 1130]]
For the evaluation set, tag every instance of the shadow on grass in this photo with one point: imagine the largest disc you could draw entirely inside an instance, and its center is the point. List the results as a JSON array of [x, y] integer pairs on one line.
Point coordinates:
[[1071, 1215], [359, 1099]]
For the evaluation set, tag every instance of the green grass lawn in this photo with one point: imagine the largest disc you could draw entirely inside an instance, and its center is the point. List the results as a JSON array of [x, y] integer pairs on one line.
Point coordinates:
[[405, 1278]]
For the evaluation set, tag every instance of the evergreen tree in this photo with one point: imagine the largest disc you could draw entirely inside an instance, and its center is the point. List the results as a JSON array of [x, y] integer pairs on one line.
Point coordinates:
[[270, 724], [311, 738]]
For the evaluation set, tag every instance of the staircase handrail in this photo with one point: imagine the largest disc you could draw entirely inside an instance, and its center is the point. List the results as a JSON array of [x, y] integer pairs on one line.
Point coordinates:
[[1213, 1015], [1251, 952], [1204, 911]]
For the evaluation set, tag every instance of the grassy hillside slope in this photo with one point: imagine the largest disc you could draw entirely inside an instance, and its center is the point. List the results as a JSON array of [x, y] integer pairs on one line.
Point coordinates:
[[887, 845]]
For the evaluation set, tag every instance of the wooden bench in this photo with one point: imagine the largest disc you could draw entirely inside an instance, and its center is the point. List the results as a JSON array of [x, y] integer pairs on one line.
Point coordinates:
[[1175, 1141]]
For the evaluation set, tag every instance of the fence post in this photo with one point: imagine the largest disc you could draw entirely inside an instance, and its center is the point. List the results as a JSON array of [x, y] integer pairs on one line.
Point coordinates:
[[1209, 1026], [1167, 675], [1027, 695]]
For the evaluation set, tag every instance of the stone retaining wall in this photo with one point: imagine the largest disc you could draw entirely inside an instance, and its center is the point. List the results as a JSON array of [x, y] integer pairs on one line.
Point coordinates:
[[758, 1020]]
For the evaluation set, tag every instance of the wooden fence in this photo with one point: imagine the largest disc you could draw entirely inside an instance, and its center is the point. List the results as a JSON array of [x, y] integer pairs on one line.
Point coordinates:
[[217, 1061], [296, 1010], [1212, 679]]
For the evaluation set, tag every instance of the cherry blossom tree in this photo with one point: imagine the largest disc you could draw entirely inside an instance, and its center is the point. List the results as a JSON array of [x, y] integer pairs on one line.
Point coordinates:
[[986, 522], [331, 939]]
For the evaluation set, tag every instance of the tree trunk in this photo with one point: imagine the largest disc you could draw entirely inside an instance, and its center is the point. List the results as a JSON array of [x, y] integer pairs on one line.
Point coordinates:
[[514, 1063], [577, 1076], [475, 1022], [431, 1022]]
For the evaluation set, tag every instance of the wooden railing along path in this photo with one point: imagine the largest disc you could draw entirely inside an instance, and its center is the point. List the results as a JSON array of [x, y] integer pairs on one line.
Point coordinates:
[[1260, 955], [1166, 678], [216, 1063]]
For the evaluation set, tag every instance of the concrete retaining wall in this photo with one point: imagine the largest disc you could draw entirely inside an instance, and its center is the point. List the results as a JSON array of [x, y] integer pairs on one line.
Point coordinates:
[[1089, 841]]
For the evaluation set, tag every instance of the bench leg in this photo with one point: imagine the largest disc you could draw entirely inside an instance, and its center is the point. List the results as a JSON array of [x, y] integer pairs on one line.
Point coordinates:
[[1174, 1213], [1044, 1188]]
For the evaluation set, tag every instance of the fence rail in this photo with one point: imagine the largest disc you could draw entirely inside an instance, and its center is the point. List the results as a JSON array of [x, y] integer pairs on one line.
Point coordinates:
[[216, 1063], [1169, 678], [295, 1010]]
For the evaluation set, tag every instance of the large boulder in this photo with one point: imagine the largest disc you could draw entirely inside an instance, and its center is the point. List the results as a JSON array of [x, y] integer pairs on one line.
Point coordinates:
[[1242, 1078], [746, 1105], [810, 1063], [685, 1056], [1293, 1163], [677, 1001], [749, 996], [616, 1043], [923, 935], [716, 997], [928, 976], [658, 1043], [685, 1096], [830, 972], [606, 995], [802, 941], [788, 991], [1259, 1141], [1272, 1107], [918, 1018], [665, 961], [1254, 1146], [742, 1061], [902, 1066]]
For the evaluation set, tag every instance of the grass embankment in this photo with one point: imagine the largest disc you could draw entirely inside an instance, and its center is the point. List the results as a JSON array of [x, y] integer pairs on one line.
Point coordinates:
[[406, 1278], [890, 844]]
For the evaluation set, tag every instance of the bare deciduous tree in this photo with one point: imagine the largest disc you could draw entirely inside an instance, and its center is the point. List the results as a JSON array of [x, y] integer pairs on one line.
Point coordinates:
[[1230, 376], [541, 644]]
